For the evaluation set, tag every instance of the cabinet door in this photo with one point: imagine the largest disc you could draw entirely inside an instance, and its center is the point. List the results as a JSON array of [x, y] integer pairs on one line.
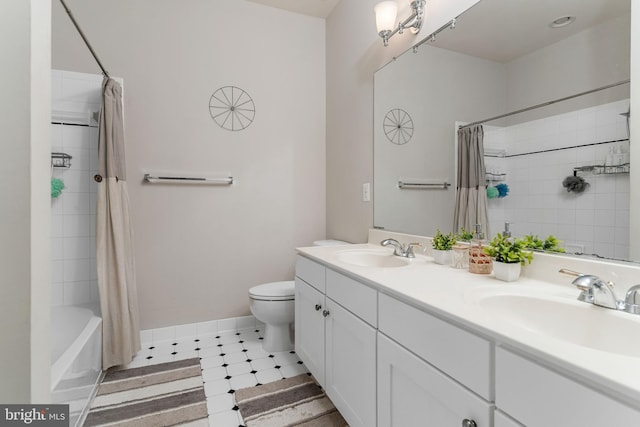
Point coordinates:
[[413, 393], [309, 328], [351, 366], [502, 420]]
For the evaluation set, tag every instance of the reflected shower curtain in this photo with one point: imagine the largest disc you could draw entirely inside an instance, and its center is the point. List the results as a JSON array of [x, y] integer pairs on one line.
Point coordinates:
[[114, 237], [471, 194]]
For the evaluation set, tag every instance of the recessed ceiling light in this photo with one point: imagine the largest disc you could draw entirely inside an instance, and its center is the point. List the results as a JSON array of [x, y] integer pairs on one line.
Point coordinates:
[[562, 21]]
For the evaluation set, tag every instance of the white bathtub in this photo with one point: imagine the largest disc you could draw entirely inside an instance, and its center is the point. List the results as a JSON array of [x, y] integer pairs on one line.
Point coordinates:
[[76, 357]]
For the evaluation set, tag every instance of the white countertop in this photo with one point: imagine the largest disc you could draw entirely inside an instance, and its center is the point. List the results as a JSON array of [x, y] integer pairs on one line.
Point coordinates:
[[454, 294]]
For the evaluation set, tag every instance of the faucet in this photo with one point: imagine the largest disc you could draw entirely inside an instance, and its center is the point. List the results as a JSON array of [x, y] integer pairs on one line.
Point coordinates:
[[400, 249], [598, 292]]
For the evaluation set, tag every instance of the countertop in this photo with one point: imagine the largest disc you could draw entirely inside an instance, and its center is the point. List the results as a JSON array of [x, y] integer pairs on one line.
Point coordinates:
[[456, 295]]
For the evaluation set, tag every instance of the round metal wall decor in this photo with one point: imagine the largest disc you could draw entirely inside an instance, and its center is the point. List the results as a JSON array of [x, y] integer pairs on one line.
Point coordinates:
[[398, 126], [232, 108]]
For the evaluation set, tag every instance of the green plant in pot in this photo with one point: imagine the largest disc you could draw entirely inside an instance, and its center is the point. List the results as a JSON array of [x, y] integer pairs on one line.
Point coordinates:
[[464, 235], [442, 247], [509, 255], [550, 244]]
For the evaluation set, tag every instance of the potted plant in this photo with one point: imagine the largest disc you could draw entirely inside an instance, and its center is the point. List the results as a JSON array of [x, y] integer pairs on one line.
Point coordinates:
[[460, 254], [550, 244], [442, 247], [464, 235], [509, 255]]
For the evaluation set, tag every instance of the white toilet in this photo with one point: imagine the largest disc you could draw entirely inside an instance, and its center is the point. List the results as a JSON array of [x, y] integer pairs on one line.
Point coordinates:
[[273, 304]]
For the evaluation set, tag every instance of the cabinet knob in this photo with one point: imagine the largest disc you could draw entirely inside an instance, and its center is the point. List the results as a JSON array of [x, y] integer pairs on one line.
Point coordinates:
[[469, 423], [318, 307], [325, 313]]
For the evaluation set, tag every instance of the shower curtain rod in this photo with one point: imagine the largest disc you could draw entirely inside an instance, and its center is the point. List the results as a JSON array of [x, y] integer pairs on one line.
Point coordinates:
[[544, 104], [104, 71]]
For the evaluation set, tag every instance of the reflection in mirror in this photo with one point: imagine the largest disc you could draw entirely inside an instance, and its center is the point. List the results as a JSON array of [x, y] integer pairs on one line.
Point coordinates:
[[505, 56]]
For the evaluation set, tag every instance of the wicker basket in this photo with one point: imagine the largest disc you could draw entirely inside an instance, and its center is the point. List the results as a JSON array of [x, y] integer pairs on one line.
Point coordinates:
[[479, 262]]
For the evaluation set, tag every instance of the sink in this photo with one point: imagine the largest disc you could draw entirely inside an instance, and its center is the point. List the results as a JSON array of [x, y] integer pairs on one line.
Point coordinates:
[[568, 320], [372, 258]]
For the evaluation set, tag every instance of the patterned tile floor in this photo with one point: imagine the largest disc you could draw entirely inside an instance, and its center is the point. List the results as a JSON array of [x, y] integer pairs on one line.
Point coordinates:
[[230, 360]]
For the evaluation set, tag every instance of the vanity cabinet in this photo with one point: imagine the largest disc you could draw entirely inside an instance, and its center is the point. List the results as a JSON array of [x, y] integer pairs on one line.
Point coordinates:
[[537, 396], [336, 338], [430, 372]]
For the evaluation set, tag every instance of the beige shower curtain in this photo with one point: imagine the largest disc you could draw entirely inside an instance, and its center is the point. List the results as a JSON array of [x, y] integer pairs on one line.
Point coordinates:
[[114, 237], [471, 194]]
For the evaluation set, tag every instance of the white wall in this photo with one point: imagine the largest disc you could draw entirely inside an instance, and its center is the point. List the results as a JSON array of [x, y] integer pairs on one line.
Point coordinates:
[[200, 248], [24, 212], [354, 53], [456, 87]]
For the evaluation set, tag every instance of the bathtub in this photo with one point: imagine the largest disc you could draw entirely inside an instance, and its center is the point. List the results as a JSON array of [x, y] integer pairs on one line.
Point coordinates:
[[76, 357]]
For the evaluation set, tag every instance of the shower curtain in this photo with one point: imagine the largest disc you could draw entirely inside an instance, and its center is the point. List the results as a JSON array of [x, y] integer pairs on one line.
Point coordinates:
[[471, 194], [114, 237]]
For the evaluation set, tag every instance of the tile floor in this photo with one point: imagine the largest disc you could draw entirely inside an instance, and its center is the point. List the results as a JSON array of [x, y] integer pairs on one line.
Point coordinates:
[[230, 360]]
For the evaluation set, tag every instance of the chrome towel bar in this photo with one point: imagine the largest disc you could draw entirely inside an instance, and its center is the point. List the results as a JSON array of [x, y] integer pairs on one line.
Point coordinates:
[[424, 185], [187, 180]]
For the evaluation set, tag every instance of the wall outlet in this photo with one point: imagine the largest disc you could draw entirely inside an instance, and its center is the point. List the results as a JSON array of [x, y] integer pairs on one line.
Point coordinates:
[[366, 192]]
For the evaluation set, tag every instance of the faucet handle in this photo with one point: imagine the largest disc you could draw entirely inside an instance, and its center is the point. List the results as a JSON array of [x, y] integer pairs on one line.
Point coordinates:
[[631, 300], [409, 250], [570, 272]]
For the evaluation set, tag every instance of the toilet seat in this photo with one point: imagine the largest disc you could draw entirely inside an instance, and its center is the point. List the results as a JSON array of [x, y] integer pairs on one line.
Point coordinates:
[[274, 291]]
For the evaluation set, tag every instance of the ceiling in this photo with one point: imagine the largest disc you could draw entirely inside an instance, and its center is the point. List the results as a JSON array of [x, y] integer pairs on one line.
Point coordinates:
[[523, 25], [318, 8]]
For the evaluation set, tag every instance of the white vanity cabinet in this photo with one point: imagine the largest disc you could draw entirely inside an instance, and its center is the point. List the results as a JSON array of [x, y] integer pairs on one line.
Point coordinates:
[[419, 356], [537, 396], [336, 338]]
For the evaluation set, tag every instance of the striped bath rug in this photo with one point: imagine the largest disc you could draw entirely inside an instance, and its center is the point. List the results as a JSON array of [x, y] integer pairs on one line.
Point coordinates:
[[295, 401], [156, 395]]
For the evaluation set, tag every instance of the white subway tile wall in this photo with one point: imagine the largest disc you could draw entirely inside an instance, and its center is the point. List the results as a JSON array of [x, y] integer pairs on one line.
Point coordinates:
[[595, 221], [74, 276]]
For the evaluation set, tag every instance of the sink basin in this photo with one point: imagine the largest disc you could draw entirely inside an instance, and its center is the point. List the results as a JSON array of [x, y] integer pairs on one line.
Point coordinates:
[[569, 320], [372, 258]]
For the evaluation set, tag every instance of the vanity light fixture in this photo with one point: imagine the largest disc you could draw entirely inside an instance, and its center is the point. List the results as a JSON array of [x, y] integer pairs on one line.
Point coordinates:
[[386, 12]]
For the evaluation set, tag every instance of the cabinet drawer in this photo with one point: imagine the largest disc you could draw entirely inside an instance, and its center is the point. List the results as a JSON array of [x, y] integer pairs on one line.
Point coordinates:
[[539, 397], [460, 354], [311, 272], [356, 297]]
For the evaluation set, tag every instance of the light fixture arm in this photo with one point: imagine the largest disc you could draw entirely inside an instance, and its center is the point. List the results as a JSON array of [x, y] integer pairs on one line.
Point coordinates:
[[414, 21]]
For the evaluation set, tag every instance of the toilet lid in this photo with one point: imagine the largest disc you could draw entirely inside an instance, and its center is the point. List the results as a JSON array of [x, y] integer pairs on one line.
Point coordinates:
[[273, 290]]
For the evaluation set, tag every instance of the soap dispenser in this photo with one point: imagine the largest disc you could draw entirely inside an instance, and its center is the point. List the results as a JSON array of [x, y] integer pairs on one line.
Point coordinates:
[[479, 262], [507, 232]]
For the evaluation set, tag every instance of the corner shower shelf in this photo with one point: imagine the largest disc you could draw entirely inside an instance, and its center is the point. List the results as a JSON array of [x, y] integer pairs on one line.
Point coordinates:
[[603, 169], [60, 160]]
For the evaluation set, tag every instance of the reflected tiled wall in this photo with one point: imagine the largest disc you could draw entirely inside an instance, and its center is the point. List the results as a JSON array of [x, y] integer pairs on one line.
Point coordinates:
[[74, 277], [595, 221]]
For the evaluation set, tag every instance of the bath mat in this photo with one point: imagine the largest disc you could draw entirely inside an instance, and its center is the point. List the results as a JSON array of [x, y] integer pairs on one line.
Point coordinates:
[[156, 395], [295, 401]]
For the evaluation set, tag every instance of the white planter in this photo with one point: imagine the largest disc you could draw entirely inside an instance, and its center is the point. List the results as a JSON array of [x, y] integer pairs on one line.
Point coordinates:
[[507, 272], [442, 257]]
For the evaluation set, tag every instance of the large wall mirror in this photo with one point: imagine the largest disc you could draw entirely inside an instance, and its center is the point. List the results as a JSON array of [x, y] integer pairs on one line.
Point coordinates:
[[504, 56]]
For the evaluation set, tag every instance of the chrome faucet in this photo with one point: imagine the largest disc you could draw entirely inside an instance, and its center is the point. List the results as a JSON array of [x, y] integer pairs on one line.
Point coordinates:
[[598, 292], [405, 251]]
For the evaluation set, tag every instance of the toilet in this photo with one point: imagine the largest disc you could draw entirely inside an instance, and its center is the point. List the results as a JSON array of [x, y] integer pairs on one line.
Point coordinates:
[[273, 304]]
